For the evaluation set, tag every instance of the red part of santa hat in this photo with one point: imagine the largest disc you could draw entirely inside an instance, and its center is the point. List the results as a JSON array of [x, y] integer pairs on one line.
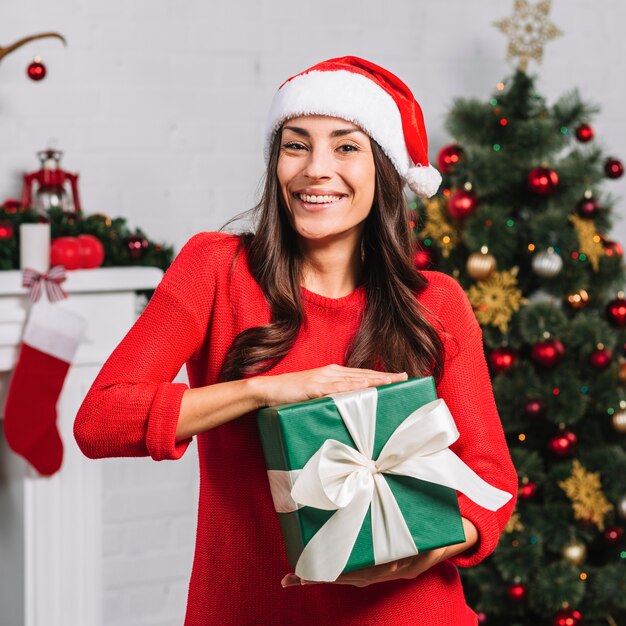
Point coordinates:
[[370, 97]]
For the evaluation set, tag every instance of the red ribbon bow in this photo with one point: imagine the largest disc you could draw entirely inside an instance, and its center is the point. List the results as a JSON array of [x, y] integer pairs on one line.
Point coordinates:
[[50, 280]]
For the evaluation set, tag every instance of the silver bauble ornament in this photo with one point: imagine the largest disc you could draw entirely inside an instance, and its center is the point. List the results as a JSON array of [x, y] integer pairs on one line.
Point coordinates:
[[547, 264], [621, 508]]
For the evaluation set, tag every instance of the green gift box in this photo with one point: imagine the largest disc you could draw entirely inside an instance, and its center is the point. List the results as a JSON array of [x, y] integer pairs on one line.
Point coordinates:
[[292, 434]]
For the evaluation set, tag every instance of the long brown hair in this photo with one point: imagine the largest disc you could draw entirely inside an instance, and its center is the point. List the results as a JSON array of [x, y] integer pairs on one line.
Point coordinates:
[[394, 335]]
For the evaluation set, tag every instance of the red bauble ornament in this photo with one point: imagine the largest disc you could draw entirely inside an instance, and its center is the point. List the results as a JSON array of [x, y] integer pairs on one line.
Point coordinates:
[[527, 491], [548, 353], [424, 258], [482, 617], [535, 408], [600, 358], [37, 71], [517, 592], [543, 181], [6, 231], [564, 444], [91, 251], [616, 312], [613, 168], [461, 203], [613, 535], [502, 359], [567, 617], [449, 157], [588, 208], [65, 251], [584, 133], [137, 245], [12, 206]]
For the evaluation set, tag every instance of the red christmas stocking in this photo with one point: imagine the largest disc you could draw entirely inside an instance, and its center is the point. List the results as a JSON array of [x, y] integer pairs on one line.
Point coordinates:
[[50, 340]]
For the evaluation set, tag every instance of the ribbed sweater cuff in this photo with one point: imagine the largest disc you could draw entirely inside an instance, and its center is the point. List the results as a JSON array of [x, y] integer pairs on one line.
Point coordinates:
[[488, 533], [162, 422]]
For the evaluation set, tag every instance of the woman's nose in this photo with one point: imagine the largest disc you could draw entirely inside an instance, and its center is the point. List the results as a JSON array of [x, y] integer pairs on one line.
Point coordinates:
[[318, 164]]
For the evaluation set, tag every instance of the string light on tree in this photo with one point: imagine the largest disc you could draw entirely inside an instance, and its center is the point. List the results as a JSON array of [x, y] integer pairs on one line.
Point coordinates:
[[578, 300], [574, 552], [535, 408]]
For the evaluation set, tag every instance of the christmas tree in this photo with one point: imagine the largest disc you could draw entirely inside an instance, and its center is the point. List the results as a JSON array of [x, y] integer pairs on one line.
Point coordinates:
[[521, 222]]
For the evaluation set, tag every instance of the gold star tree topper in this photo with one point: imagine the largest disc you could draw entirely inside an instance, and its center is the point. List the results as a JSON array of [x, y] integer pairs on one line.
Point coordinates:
[[528, 30]]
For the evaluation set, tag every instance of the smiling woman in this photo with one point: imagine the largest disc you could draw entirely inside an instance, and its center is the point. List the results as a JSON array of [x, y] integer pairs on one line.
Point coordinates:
[[321, 298]]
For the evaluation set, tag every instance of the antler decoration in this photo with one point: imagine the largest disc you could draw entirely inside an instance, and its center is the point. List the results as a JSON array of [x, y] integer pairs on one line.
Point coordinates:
[[22, 42]]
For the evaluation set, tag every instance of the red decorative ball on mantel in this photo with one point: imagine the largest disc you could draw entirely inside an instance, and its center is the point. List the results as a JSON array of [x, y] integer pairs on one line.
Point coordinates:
[[517, 592], [548, 353], [65, 251], [461, 203], [91, 251], [543, 181], [568, 617], [449, 157], [613, 168], [527, 491], [616, 312], [600, 358], [502, 359], [36, 71], [564, 444], [584, 133], [613, 535], [535, 408]]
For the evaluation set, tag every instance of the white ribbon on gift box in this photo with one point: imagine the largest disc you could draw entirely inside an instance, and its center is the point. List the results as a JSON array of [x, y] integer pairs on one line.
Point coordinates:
[[347, 480]]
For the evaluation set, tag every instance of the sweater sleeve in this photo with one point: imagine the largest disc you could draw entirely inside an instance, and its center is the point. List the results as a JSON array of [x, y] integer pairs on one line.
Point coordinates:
[[466, 389], [132, 408]]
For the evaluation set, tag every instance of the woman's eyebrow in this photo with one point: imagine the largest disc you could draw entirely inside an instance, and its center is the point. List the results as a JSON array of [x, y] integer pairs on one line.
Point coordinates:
[[340, 132]]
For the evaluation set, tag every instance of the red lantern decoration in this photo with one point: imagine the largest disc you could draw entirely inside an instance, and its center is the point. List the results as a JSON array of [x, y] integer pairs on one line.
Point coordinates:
[[535, 408], [600, 358], [543, 181], [567, 617], [65, 251], [527, 491], [6, 231], [584, 133], [564, 444], [461, 203], [517, 592], [548, 353], [36, 71], [91, 251], [613, 168], [616, 312], [613, 535], [502, 359], [588, 208], [449, 157]]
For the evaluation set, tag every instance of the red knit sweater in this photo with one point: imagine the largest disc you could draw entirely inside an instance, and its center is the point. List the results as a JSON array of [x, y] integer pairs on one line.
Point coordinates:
[[132, 410]]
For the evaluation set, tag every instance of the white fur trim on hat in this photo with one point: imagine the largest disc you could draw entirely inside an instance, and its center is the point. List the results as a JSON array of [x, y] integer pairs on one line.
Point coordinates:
[[424, 181]]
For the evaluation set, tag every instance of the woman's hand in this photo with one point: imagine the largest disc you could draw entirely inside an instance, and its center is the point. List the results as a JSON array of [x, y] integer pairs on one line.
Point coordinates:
[[315, 383], [410, 567]]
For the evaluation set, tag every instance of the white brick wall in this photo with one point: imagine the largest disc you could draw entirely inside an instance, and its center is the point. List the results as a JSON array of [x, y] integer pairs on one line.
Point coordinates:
[[160, 105]]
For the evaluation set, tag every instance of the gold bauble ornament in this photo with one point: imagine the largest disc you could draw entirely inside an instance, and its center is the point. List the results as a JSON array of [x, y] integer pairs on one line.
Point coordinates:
[[619, 421], [481, 265], [578, 300], [574, 552]]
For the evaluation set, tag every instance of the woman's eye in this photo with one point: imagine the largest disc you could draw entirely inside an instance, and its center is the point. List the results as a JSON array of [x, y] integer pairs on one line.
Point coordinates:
[[292, 145], [348, 147]]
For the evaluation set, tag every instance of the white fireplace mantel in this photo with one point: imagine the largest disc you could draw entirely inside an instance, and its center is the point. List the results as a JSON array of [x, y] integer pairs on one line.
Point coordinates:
[[51, 527]]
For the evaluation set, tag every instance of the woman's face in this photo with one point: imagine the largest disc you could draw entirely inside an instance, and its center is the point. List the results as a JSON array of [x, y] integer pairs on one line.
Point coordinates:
[[327, 177]]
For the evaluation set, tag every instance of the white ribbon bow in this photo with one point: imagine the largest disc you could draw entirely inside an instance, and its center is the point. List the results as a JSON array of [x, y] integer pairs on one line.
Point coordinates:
[[347, 480]]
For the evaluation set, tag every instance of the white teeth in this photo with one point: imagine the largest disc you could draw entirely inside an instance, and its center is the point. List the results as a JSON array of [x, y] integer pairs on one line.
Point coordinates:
[[318, 199]]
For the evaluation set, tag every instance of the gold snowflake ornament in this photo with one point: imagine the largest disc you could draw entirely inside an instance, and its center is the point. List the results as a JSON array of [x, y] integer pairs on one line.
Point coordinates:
[[528, 29], [589, 242], [496, 299], [514, 524], [438, 227], [584, 489]]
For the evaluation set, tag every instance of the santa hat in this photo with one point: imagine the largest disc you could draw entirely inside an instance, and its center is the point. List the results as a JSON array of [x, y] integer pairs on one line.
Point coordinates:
[[369, 96]]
